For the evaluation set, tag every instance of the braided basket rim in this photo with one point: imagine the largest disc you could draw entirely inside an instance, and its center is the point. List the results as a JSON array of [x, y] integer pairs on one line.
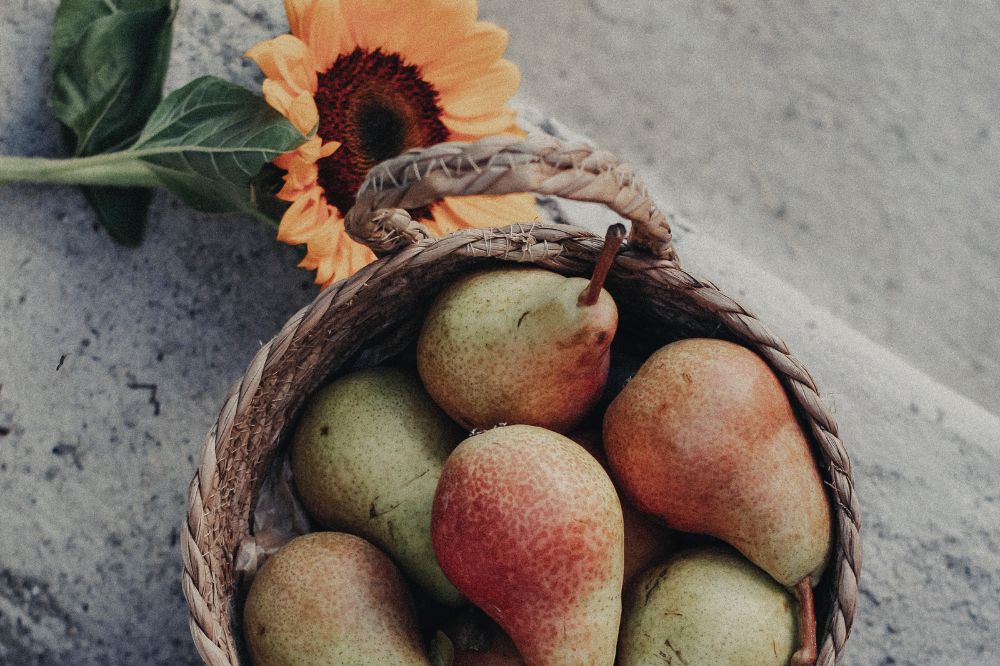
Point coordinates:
[[208, 550]]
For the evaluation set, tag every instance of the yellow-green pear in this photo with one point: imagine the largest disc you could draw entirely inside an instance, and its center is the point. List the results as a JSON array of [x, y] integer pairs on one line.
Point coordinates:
[[520, 345], [331, 598], [366, 458], [707, 607]]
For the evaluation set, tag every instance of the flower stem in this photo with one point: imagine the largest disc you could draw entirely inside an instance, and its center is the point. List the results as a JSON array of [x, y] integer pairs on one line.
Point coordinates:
[[122, 169]]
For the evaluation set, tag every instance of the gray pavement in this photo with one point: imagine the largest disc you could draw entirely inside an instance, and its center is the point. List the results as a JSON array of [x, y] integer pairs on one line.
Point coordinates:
[[93, 469]]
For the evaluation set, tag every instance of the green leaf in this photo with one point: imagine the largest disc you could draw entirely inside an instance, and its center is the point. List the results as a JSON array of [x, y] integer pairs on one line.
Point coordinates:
[[207, 142], [109, 62], [118, 210]]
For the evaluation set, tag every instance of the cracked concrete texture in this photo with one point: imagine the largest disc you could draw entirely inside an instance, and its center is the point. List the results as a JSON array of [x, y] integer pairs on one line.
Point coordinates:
[[93, 475], [850, 147]]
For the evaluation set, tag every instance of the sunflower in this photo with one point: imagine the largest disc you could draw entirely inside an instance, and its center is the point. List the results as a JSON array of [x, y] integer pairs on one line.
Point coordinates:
[[376, 78]]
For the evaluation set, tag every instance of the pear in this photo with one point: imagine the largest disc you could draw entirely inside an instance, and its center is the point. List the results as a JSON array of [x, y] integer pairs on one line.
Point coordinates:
[[704, 438], [322, 598], [529, 527], [520, 345], [707, 607], [646, 542], [366, 457]]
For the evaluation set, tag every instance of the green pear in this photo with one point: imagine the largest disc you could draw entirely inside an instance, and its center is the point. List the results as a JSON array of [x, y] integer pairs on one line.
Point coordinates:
[[330, 598], [707, 607], [520, 345], [366, 458]]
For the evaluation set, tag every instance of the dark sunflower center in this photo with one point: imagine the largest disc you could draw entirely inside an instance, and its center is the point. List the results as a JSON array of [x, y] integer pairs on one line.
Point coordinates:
[[376, 106], [382, 132]]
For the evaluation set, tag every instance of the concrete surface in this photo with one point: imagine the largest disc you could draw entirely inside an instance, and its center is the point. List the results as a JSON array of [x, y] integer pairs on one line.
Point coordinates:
[[851, 147], [94, 464]]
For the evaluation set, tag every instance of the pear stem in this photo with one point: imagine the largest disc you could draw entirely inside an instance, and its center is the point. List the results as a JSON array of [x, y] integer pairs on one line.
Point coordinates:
[[806, 654], [612, 241]]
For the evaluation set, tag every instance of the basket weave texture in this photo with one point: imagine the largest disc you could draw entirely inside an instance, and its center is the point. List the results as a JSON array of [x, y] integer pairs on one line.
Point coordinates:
[[376, 314]]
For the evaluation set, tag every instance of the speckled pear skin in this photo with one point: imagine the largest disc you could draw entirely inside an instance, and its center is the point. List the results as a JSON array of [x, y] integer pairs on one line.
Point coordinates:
[[331, 598], [512, 345], [707, 607], [704, 438], [366, 457], [528, 526], [646, 543]]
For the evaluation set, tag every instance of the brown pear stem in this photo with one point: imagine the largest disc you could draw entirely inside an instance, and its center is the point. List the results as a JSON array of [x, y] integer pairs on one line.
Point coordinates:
[[612, 241], [806, 654]]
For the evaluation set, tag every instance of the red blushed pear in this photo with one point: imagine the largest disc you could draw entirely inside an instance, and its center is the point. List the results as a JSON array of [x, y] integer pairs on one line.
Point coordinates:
[[646, 543], [528, 526], [520, 345], [704, 438]]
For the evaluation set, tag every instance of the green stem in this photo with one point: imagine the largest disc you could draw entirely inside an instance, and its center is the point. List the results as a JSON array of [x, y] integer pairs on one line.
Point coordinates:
[[122, 169]]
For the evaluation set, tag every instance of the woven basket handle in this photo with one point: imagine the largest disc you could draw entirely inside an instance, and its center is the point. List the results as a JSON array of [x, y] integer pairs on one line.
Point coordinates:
[[500, 165]]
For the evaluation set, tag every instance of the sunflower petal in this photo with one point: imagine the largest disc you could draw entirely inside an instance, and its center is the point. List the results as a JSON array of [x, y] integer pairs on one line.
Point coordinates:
[[314, 149], [418, 30], [486, 92], [300, 109], [482, 211], [484, 44], [305, 218], [303, 114], [333, 254], [301, 176], [287, 59], [311, 151], [472, 129], [321, 25], [443, 220]]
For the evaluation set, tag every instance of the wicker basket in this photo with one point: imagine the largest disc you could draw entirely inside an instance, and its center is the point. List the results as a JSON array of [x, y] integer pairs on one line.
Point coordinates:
[[376, 314]]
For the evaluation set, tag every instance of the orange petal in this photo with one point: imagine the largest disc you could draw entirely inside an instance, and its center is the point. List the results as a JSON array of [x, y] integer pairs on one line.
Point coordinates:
[[303, 153], [303, 113], [301, 176], [329, 149], [483, 94], [287, 59], [359, 257], [306, 217], [443, 220], [300, 109], [471, 129], [314, 149], [418, 30], [350, 257], [483, 212], [278, 96], [321, 25], [332, 253], [483, 45], [284, 160]]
